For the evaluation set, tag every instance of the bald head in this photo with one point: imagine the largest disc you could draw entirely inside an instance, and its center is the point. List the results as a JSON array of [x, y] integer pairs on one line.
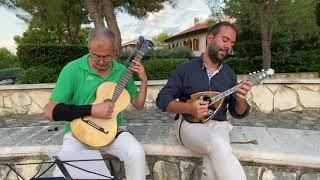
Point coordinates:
[[99, 36]]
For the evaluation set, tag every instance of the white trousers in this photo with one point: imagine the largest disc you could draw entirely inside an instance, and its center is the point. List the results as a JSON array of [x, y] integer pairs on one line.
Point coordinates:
[[125, 147], [211, 139]]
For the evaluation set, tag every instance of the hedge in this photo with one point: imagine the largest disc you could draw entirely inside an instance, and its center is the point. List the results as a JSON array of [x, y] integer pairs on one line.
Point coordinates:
[[10, 73], [42, 64]]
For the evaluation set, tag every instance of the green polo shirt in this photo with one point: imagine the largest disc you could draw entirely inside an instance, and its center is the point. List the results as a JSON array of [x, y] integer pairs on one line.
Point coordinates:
[[77, 84]]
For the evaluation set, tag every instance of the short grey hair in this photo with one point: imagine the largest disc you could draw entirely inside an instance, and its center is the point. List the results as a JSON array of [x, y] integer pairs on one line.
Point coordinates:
[[94, 32]]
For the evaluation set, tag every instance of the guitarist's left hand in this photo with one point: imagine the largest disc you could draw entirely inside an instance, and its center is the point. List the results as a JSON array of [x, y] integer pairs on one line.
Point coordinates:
[[243, 89], [139, 70]]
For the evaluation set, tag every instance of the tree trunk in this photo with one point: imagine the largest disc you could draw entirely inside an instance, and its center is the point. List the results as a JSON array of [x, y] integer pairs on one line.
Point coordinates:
[[111, 19], [95, 9], [266, 33]]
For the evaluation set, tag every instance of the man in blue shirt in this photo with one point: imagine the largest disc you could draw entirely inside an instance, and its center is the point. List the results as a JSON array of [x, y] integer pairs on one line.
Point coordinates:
[[208, 73]]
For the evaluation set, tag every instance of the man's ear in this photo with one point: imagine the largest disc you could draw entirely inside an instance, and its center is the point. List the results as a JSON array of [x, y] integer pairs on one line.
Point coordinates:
[[210, 38]]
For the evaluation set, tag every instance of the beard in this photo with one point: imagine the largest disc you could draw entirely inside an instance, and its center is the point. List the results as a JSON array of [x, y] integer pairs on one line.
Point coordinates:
[[215, 54]]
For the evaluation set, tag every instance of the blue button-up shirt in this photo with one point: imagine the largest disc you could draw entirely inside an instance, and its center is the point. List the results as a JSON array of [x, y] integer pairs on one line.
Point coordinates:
[[193, 77]]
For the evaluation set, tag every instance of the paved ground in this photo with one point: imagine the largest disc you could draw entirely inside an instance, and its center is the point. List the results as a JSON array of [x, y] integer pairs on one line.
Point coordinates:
[[307, 120]]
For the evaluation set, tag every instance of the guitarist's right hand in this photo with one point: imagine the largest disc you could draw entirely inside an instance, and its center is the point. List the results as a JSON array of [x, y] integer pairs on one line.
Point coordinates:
[[200, 108], [102, 110]]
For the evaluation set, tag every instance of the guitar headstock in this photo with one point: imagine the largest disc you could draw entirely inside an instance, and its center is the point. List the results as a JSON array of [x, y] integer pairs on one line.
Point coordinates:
[[257, 77], [144, 45]]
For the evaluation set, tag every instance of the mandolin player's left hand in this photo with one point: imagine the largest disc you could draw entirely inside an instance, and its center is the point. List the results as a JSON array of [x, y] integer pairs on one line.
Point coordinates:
[[138, 69], [243, 89]]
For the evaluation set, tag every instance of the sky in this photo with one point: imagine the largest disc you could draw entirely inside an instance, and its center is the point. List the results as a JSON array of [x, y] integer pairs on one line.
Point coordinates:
[[170, 20]]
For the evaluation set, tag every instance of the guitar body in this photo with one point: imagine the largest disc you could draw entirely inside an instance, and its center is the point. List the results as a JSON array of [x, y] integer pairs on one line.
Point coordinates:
[[88, 129], [205, 96]]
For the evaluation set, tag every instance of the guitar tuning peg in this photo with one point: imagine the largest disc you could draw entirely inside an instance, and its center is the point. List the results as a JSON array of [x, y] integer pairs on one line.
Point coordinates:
[[254, 72], [258, 71], [262, 70], [250, 73]]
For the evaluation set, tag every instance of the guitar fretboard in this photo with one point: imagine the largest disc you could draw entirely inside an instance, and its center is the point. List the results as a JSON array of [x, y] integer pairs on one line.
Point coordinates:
[[125, 78]]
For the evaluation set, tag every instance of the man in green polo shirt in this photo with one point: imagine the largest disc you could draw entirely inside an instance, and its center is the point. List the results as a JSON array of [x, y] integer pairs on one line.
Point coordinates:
[[75, 91]]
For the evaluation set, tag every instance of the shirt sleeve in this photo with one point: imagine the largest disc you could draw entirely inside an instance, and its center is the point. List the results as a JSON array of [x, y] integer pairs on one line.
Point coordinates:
[[170, 91], [132, 89], [63, 89], [232, 103]]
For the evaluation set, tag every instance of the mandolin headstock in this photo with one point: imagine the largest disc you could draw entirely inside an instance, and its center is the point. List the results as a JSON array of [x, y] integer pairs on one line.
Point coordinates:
[[257, 77], [144, 45]]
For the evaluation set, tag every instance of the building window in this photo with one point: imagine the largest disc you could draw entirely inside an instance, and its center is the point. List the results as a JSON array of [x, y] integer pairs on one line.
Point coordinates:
[[189, 44], [196, 44]]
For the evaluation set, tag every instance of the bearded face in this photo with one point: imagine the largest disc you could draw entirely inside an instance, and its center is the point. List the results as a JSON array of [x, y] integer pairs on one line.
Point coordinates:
[[221, 44], [216, 54]]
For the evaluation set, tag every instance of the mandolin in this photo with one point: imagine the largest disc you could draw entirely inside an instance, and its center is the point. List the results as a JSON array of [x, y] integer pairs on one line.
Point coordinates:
[[97, 132], [215, 99]]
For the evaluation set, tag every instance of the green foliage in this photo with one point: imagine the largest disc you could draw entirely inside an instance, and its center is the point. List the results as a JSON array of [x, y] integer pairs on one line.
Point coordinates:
[[10, 73], [141, 8], [163, 53], [300, 61], [317, 12], [37, 36], [161, 37], [7, 59], [51, 56], [59, 19], [158, 69], [39, 74]]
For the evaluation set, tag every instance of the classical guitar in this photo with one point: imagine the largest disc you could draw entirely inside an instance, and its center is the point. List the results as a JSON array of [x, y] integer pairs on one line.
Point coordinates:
[[215, 99], [97, 132]]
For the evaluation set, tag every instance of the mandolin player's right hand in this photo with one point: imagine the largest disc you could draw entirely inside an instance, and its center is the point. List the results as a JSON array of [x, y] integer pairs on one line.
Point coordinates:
[[102, 110], [200, 108]]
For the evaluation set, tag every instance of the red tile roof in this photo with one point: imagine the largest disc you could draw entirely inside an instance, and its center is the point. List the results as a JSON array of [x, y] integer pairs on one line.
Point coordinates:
[[196, 27]]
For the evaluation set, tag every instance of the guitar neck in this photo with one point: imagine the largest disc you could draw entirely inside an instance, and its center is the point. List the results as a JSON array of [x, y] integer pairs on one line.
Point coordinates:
[[224, 94], [125, 78]]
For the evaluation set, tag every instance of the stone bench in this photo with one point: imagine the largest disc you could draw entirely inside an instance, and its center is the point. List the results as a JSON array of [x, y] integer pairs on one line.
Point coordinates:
[[277, 148]]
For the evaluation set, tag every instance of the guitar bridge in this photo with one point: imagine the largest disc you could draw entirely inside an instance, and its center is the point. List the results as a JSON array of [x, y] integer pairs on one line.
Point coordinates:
[[94, 125]]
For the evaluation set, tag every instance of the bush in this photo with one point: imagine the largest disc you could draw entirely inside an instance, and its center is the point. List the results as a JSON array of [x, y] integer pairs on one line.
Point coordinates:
[[53, 56], [163, 53], [158, 69], [10, 73], [300, 61], [39, 74]]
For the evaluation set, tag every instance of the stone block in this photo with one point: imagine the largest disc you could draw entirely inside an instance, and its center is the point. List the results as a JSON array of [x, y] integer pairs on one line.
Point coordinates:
[[263, 98], [34, 109], [186, 169], [278, 175], [163, 170], [285, 99], [41, 98], [309, 99], [310, 176], [7, 102], [21, 98]]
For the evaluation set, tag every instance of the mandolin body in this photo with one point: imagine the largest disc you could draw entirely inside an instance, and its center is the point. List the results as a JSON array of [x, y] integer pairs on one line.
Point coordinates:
[[205, 96]]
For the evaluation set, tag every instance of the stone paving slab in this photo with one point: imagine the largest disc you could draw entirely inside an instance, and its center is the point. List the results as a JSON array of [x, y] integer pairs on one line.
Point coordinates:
[[275, 145], [308, 120]]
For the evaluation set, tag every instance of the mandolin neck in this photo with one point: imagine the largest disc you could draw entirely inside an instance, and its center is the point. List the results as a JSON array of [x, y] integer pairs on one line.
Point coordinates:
[[224, 94], [125, 78]]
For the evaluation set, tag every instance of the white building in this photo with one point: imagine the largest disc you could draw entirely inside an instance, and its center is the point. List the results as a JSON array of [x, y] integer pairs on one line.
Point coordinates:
[[193, 37]]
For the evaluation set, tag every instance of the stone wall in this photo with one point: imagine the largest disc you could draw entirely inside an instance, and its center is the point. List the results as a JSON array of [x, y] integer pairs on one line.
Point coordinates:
[[170, 168], [277, 94]]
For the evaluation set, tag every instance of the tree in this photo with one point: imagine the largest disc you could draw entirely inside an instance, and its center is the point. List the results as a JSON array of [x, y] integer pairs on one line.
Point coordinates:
[[61, 17], [269, 16], [161, 37], [7, 59], [317, 12], [101, 10]]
